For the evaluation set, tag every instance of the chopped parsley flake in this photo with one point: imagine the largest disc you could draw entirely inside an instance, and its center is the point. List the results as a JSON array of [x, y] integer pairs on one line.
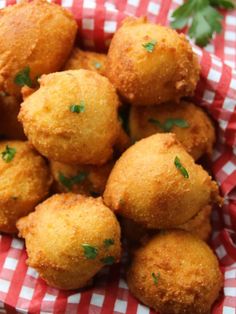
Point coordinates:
[[156, 278], [78, 108], [109, 260], [22, 78], [8, 154], [68, 182], [150, 45], [90, 251], [108, 242], [180, 167], [169, 123]]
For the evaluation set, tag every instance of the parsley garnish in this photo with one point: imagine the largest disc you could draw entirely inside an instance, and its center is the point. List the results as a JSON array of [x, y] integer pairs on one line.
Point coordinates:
[[108, 242], [78, 108], [22, 78], [97, 65], [169, 123], [109, 260], [90, 251], [8, 154], [180, 167], [204, 19], [150, 45], [156, 278], [68, 182]]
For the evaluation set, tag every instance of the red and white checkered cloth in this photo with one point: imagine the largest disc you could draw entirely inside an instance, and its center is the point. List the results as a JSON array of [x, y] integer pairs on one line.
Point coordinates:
[[21, 291]]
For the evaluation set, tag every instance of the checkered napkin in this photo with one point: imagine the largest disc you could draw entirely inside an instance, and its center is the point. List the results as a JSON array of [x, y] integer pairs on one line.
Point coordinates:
[[22, 291]]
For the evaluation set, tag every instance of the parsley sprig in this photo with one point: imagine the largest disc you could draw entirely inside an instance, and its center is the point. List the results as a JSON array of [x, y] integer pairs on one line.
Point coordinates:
[[156, 278], [68, 182], [169, 123], [202, 18], [78, 108], [149, 46], [181, 168], [8, 154]]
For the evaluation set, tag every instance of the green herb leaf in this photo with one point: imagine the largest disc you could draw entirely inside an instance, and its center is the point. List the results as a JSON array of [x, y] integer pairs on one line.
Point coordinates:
[[90, 251], [8, 154], [180, 167], [109, 260], [78, 108], [204, 20], [169, 123], [156, 123], [156, 278], [22, 78], [108, 242], [150, 45], [97, 65], [68, 182]]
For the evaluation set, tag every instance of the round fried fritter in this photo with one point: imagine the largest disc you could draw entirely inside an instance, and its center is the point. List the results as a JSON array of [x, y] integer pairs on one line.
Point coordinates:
[[10, 127], [157, 184], [175, 273], [190, 123], [81, 179], [69, 238], [35, 38], [86, 60], [150, 64], [24, 182], [73, 117]]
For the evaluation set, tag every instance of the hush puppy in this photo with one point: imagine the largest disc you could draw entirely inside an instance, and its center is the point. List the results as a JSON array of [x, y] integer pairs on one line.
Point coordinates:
[[81, 179], [35, 38], [190, 123], [24, 182], [175, 273], [72, 117], [151, 64], [157, 184], [69, 238], [87, 60]]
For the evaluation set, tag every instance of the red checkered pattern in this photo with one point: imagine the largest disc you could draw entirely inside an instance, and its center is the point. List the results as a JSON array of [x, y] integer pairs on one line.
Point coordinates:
[[22, 291]]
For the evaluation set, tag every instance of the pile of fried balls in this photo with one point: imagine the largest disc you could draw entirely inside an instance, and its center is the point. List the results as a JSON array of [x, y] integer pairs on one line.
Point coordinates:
[[94, 147]]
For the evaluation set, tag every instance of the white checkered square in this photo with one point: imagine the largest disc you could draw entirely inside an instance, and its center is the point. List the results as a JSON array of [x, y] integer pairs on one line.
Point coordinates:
[[110, 26], [91, 4], [135, 3], [49, 297], [231, 20], [123, 284], [214, 75], [4, 285], [74, 298], [17, 244], [97, 299], [120, 306], [230, 274], [220, 251], [229, 167], [88, 24], [142, 309], [229, 51], [32, 272], [223, 124], [228, 310], [208, 96], [2, 4], [230, 291], [229, 35], [10, 263], [229, 104], [153, 8], [233, 84], [66, 3], [26, 293]]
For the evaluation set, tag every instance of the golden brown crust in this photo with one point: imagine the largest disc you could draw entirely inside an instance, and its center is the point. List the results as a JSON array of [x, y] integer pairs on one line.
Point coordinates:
[[168, 73], [198, 138], [87, 137], [87, 60], [24, 182], [187, 272], [146, 186], [40, 35], [80, 179], [55, 234]]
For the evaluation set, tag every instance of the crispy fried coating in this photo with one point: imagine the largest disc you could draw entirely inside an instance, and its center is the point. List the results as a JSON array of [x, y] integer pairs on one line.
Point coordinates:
[[190, 123], [73, 117], [10, 127], [122, 143], [69, 238], [24, 182], [175, 273], [87, 60], [81, 179], [148, 184], [150, 64], [40, 35]]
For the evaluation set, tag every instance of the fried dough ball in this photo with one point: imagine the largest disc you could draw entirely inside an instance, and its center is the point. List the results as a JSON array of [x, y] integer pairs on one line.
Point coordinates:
[[10, 127], [123, 142], [86, 60], [150, 64], [190, 123], [40, 37], [73, 117], [175, 273], [69, 238], [24, 182], [157, 184], [81, 179]]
